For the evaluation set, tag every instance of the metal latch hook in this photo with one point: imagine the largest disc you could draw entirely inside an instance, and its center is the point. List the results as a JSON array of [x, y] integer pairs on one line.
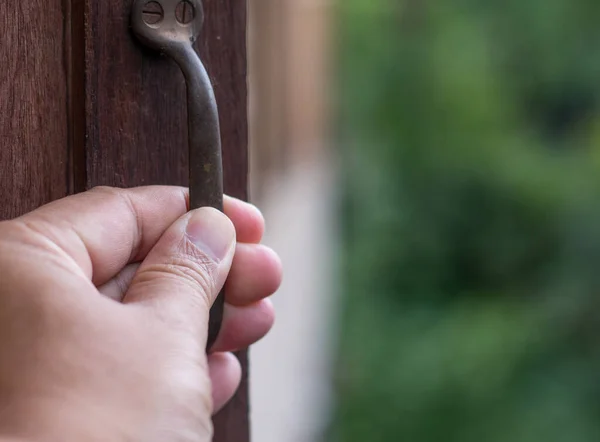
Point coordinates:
[[171, 27]]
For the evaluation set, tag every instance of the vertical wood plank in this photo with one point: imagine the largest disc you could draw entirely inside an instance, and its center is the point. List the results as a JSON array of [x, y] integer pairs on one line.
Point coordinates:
[[136, 130], [34, 148], [75, 61], [223, 47], [135, 105]]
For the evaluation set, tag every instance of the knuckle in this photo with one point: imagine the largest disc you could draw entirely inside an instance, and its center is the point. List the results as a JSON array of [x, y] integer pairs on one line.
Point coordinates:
[[106, 190], [7, 229], [123, 198], [108, 195], [198, 272], [24, 232], [10, 232], [194, 264], [190, 268], [117, 196]]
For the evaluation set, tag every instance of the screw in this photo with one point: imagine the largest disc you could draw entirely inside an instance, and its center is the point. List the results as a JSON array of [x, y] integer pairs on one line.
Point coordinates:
[[153, 13], [185, 12]]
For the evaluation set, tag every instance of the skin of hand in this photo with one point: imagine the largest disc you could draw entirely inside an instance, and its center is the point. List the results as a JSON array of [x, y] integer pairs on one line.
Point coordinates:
[[104, 305]]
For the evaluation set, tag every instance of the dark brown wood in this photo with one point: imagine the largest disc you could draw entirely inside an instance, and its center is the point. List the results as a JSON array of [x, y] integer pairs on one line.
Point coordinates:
[[136, 131], [34, 148], [82, 104], [223, 47]]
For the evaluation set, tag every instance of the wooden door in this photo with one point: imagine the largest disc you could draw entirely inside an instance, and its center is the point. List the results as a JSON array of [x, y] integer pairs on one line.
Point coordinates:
[[82, 104]]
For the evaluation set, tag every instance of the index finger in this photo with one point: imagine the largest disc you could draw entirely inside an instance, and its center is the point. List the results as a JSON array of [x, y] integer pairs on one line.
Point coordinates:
[[105, 229]]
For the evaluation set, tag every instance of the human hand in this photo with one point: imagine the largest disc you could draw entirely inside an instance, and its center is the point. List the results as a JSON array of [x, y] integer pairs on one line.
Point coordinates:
[[104, 305]]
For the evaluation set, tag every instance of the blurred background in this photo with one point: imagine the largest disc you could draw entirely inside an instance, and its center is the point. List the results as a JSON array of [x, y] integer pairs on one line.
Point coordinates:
[[429, 174]]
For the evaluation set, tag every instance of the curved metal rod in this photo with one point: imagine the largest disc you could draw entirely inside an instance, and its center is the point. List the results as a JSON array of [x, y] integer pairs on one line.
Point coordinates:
[[171, 27]]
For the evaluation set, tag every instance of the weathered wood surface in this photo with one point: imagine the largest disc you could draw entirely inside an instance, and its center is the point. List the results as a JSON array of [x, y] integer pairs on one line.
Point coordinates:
[[34, 148], [136, 131], [83, 104]]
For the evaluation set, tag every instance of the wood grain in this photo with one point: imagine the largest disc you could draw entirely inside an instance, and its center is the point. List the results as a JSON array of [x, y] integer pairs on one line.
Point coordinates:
[[136, 131], [33, 105], [81, 105]]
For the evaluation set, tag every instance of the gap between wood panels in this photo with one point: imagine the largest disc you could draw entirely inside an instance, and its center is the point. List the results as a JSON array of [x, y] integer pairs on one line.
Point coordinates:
[[74, 65]]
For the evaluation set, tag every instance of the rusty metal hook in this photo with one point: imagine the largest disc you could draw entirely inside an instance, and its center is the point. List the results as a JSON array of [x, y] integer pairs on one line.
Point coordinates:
[[171, 27]]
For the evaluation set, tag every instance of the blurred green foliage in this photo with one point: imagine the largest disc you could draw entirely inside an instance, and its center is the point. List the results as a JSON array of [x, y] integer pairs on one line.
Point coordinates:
[[471, 261]]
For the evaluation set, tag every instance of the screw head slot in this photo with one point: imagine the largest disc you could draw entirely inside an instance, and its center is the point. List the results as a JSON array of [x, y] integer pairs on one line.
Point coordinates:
[[167, 24], [153, 13], [185, 12]]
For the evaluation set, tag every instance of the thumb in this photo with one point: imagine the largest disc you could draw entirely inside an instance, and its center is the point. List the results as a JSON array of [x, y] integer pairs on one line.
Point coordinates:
[[184, 272]]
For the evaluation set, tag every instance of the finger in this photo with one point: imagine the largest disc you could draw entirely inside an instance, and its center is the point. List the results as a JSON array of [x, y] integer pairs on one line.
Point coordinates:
[[255, 274], [247, 219], [243, 326], [184, 272], [243, 294], [104, 229], [116, 288], [225, 375]]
